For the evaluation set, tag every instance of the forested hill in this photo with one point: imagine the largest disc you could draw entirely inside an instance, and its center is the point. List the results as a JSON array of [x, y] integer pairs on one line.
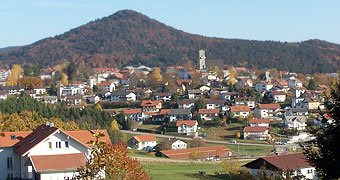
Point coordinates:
[[128, 37]]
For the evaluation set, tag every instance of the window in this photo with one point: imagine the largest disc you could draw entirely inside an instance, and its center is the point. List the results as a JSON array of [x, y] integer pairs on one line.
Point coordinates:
[[50, 145], [58, 145], [10, 176], [66, 144], [9, 163]]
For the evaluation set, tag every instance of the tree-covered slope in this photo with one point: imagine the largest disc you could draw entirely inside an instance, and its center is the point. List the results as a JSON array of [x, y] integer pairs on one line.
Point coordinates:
[[128, 37]]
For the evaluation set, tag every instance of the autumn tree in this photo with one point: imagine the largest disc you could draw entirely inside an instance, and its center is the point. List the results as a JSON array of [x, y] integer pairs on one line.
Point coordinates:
[[64, 80], [14, 76], [232, 76], [324, 155], [156, 74], [110, 162], [30, 82], [197, 142], [231, 167]]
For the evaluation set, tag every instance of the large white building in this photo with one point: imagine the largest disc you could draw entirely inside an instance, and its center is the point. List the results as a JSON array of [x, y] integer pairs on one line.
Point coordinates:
[[70, 90], [45, 153]]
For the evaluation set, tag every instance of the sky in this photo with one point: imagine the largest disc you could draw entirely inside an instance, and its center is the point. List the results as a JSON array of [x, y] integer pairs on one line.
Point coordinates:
[[23, 22]]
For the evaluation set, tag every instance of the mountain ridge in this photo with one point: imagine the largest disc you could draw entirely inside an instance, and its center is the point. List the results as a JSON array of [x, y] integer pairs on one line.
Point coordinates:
[[129, 38]]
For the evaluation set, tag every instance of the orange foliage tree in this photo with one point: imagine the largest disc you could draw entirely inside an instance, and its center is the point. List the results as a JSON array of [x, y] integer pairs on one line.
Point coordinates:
[[29, 82], [110, 162]]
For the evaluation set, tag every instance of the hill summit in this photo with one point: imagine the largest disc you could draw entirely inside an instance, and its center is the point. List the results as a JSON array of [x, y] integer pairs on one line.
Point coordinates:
[[130, 38]]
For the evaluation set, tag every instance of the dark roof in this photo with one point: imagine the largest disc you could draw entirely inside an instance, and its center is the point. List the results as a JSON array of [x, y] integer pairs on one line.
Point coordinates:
[[214, 101], [244, 99], [120, 93], [299, 110], [188, 101], [280, 162], [179, 112]]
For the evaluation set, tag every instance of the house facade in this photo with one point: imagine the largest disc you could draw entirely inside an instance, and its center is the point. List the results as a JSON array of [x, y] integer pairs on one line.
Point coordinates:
[[255, 132], [123, 96], [240, 111], [188, 127], [267, 110], [142, 142]]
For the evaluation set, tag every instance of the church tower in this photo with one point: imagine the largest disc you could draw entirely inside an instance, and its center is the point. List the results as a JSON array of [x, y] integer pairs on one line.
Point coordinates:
[[202, 59]]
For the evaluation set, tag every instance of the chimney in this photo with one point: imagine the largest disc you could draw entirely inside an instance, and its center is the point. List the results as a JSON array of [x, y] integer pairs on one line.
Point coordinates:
[[47, 123], [51, 124]]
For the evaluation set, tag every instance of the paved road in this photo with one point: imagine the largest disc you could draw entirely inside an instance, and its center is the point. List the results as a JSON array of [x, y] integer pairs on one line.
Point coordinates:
[[187, 138]]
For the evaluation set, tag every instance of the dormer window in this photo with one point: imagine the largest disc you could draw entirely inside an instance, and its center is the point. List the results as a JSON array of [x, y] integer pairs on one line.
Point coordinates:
[[58, 145], [66, 144]]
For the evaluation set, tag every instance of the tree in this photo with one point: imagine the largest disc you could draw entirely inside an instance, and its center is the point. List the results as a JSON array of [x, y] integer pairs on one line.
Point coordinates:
[[71, 71], [14, 76], [114, 125], [199, 104], [29, 82], [95, 88], [197, 142], [64, 80], [156, 74], [231, 167], [110, 161], [238, 135], [99, 107], [118, 136], [324, 155], [217, 121], [311, 84]]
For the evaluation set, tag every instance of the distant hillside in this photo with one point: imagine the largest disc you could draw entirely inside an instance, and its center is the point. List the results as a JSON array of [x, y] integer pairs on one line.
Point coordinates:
[[2, 50], [128, 37]]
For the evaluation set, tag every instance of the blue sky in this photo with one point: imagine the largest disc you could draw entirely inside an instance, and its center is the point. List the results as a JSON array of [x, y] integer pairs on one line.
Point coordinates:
[[26, 21]]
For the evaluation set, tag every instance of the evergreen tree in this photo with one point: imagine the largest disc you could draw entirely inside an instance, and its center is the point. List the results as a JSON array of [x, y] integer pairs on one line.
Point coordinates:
[[311, 84]]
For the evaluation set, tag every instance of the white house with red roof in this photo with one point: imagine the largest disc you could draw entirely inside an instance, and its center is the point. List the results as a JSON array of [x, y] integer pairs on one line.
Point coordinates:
[[147, 141], [151, 105], [107, 86], [255, 132], [240, 111], [187, 126], [135, 114], [267, 110], [45, 153]]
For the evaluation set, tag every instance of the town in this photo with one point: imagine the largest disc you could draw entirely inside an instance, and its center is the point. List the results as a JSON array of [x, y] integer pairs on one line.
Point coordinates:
[[201, 112]]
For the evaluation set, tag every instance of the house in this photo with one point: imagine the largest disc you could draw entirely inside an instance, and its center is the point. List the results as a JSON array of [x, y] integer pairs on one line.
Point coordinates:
[[278, 96], [70, 90], [204, 88], [311, 103], [12, 90], [214, 103], [229, 95], [122, 95], [294, 83], [267, 110], [297, 163], [50, 99], [141, 93], [259, 122], [93, 99], [193, 94], [179, 114], [240, 111], [246, 101], [174, 143], [74, 99], [135, 114], [298, 92], [208, 114], [151, 106], [282, 84], [296, 122], [263, 86], [4, 73], [3, 95], [255, 132], [297, 102], [45, 75], [142, 142], [39, 90], [160, 116], [187, 126], [45, 153], [186, 104], [107, 86], [184, 82], [245, 82], [31, 93], [297, 112], [205, 153], [165, 97]]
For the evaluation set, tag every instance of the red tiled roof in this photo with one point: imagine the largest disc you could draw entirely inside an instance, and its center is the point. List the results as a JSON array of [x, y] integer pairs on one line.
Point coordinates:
[[106, 83], [278, 93], [208, 111], [59, 162], [84, 136], [282, 82], [255, 129], [150, 103], [239, 108], [7, 140], [258, 121], [187, 122], [132, 111], [269, 106], [146, 137], [183, 81], [204, 152]]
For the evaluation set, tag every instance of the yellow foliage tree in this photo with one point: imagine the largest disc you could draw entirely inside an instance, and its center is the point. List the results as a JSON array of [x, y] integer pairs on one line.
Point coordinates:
[[14, 76], [238, 135], [156, 74], [64, 80], [232, 76], [231, 167], [99, 107], [114, 125]]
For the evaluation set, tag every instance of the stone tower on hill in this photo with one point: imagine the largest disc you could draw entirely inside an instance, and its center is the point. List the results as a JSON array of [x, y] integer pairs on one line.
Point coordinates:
[[202, 59]]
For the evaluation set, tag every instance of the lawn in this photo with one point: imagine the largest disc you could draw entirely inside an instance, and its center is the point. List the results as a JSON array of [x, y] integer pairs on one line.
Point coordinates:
[[247, 150]]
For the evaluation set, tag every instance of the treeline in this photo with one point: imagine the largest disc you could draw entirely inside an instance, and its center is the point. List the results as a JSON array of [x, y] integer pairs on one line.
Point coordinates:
[[130, 38], [89, 117]]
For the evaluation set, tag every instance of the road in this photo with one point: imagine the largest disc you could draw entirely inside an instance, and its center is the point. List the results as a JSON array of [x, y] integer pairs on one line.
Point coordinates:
[[187, 138]]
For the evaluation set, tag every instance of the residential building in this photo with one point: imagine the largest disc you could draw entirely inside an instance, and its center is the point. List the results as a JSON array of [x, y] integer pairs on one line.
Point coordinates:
[[107, 86], [206, 153], [187, 126], [294, 83], [259, 122], [70, 90], [296, 164], [229, 95], [93, 99], [267, 110], [186, 104], [151, 106], [122, 95], [175, 143], [263, 86], [193, 94], [179, 114], [50, 99], [142, 142], [3, 95], [208, 114], [278, 96], [135, 114], [45, 153], [12, 90], [311, 103], [255, 132], [214, 103], [4, 73], [246, 101], [165, 97], [39, 90], [296, 122], [297, 112], [240, 111]]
